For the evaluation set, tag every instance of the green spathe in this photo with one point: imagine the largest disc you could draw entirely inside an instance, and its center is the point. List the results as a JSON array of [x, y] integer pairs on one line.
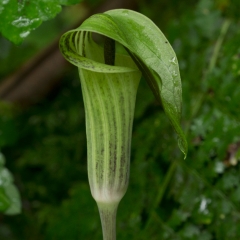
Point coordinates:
[[109, 93], [150, 50], [109, 100]]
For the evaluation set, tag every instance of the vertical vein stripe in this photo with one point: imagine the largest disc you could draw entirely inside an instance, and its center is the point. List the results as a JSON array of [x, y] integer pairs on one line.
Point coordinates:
[[117, 130], [105, 130]]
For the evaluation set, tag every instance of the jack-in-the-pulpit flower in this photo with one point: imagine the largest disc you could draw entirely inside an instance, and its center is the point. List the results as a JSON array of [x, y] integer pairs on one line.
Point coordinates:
[[109, 76]]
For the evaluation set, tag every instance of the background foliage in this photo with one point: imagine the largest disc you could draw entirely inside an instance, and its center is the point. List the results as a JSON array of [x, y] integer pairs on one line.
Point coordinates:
[[168, 197], [19, 18]]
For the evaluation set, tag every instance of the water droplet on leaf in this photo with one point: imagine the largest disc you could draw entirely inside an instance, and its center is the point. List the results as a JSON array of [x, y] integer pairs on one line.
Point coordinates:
[[173, 60], [21, 22], [24, 34], [174, 73]]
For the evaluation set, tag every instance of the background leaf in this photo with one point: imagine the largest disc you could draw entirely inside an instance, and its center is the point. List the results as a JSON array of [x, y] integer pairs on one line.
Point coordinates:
[[19, 18], [10, 202]]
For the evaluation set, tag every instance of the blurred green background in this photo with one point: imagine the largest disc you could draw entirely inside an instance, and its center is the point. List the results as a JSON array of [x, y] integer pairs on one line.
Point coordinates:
[[42, 133]]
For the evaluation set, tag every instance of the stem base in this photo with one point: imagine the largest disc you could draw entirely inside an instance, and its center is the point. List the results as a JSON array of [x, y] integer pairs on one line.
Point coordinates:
[[108, 214]]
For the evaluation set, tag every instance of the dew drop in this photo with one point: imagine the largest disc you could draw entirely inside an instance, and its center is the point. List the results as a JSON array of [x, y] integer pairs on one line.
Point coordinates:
[[174, 73], [21, 22], [24, 34], [173, 60]]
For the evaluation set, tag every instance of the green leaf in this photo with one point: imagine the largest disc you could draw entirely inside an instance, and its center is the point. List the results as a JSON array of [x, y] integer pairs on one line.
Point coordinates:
[[10, 202], [149, 49], [19, 18], [4, 201], [13, 195]]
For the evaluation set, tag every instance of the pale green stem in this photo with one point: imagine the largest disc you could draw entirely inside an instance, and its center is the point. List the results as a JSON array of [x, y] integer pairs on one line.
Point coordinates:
[[108, 213]]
